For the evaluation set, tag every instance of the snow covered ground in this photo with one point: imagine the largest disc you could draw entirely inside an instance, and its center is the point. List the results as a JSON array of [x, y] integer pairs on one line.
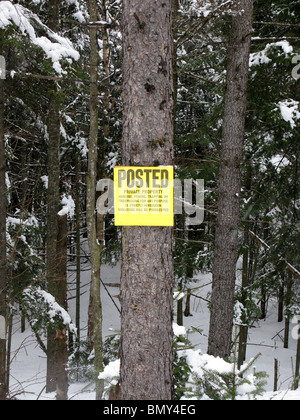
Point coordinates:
[[29, 363]]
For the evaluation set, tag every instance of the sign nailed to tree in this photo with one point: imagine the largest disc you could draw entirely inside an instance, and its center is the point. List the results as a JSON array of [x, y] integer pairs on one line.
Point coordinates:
[[144, 196]]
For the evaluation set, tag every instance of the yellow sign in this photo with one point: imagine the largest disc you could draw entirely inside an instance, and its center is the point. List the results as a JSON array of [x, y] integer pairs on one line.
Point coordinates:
[[144, 196]]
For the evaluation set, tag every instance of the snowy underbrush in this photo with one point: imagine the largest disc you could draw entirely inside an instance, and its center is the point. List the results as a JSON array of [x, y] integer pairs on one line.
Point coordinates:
[[211, 378], [199, 376]]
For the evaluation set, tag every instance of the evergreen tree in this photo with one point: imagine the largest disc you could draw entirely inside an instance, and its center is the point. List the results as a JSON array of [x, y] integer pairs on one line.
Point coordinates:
[[230, 183], [147, 271]]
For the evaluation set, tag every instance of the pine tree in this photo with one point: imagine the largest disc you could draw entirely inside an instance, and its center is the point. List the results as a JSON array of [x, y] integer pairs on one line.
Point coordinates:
[[3, 259], [94, 245], [230, 182], [147, 271], [53, 201]]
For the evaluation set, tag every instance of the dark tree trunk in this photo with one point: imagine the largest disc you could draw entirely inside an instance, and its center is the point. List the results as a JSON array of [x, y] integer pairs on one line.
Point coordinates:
[[53, 199], [297, 367], [52, 228], [3, 270], [95, 246], [147, 268], [61, 342], [226, 242], [288, 298]]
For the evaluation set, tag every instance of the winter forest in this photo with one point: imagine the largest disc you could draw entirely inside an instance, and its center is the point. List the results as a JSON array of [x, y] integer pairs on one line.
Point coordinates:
[[199, 311]]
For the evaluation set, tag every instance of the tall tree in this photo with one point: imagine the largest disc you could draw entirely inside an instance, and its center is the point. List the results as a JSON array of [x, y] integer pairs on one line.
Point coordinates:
[[95, 246], [53, 200], [230, 181], [61, 339], [147, 260], [3, 270]]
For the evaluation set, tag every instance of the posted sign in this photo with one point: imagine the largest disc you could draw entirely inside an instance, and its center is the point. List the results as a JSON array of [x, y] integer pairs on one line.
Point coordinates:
[[144, 196]]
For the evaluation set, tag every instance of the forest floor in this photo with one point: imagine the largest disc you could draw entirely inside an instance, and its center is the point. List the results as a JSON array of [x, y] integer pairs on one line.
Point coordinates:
[[28, 369]]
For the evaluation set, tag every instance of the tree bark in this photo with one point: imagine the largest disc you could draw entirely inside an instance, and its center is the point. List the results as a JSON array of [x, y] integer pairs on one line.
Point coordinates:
[[288, 298], [106, 70], [78, 248], [297, 366], [61, 341], [3, 269], [226, 241], [95, 315], [147, 278], [53, 199]]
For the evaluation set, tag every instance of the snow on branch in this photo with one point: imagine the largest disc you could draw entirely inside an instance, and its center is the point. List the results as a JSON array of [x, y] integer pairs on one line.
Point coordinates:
[[68, 206], [290, 111], [54, 46], [38, 302], [261, 57]]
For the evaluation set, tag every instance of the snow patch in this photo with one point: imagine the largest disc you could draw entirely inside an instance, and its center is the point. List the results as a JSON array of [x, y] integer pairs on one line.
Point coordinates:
[[261, 57], [290, 111], [68, 206]]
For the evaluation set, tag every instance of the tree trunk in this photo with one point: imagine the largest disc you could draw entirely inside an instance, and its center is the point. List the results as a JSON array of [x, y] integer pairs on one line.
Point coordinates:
[[106, 71], [8, 348], [226, 241], [297, 367], [3, 270], [288, 298], [52, 228], [187, 311], [95, 315], [61, 342], [53, 199], [245, 282], [147, 278], [78, 249], [280, 301]]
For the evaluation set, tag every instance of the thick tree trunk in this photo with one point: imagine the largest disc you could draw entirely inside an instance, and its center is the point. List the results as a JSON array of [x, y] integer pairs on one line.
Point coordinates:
[[147, 265], [226, 241]]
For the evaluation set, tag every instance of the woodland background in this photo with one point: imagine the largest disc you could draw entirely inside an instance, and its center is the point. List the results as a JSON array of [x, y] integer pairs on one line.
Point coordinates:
[[46, 124]]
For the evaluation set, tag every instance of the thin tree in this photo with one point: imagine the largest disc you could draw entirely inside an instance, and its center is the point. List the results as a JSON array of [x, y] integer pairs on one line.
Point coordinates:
[[53, 200], [3, 269], [78, 246], [297, 366], [147, 260], [95, 309], [231, 158], [61, 340]]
